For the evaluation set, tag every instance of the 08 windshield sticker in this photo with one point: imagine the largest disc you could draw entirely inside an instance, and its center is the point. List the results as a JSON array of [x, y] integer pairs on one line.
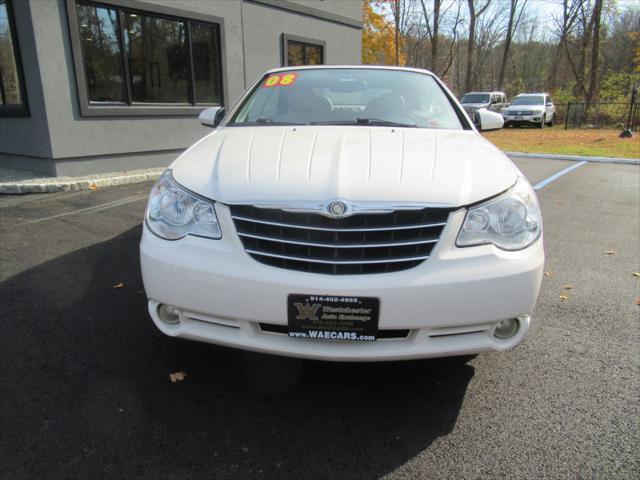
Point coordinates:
[[285, 80]]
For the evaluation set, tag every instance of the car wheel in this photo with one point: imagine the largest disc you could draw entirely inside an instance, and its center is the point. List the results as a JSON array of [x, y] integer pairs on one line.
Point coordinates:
[[543, 121], [552, 121]]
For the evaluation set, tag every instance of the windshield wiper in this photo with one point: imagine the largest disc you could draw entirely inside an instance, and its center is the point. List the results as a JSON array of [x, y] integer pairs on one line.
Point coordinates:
[[368, 121], [262, 121]]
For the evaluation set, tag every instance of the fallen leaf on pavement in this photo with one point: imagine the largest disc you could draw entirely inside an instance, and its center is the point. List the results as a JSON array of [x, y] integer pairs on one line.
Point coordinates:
[[637, 301], [567, 287], [548, 274], [118, 285], [636, 274], [563, 296], [609, 252], [93, 186], [177, 377]]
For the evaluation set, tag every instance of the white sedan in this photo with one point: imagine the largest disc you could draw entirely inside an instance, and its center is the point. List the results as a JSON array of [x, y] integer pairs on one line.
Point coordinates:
[[346, 214]]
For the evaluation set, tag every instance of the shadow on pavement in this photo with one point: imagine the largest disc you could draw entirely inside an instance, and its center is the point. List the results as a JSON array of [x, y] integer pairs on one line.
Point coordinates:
[[84, 377]]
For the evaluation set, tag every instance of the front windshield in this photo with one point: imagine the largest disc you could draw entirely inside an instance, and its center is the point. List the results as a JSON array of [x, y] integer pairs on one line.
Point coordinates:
[[348, 96], [528, 100], [475, 98]]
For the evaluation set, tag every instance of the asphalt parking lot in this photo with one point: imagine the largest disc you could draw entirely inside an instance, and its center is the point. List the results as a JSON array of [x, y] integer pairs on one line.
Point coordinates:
[[84, 374]]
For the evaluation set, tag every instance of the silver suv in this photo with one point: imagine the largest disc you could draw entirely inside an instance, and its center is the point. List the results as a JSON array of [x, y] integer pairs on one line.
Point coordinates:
[[535, 109], [474, 101]]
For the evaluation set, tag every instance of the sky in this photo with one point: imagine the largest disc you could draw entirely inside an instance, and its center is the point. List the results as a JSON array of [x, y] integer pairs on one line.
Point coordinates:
[[546, 10]]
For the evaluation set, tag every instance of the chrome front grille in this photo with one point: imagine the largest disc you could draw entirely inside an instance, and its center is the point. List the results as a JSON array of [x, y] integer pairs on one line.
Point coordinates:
[[358, 244], [521, 112]]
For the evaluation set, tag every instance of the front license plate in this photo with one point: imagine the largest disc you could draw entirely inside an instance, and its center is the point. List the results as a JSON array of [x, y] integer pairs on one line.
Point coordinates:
[[518, 118], [333, 318]]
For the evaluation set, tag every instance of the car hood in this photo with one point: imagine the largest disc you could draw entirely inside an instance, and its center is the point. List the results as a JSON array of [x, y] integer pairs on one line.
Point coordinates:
[[308, 164], [475, 105]]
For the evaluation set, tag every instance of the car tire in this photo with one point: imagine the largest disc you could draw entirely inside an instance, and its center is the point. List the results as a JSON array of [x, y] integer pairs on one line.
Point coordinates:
[[552, 121]]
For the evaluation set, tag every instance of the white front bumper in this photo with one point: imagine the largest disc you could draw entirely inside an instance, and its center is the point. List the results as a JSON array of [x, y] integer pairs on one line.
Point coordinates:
[[450, 303], [535, 118]]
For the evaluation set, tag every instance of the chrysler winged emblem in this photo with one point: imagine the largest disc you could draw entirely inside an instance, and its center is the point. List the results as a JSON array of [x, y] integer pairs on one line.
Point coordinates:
[[337, 209]]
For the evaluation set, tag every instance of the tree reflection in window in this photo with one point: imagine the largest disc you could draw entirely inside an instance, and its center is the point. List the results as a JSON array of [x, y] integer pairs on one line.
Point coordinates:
[[158, 59], [299, 53], [10, 88], [158, 55], [101, 52]]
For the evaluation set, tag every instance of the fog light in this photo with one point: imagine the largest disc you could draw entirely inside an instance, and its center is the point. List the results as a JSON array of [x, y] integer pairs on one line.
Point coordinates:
[[507, 328], [169, 314]]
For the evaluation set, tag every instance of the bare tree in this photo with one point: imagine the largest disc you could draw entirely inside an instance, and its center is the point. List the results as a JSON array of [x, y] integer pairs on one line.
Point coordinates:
[[469, 80], [433, 28], [565, 26], [514, 20], [453, 40], [595, 50]]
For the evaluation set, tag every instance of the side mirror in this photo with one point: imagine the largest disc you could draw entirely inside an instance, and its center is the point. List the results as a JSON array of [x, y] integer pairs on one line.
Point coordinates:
[[484, 120], [211, 117]]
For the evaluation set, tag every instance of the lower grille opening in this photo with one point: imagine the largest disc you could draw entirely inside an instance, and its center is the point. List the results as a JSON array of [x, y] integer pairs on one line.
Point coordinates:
[[398, 333]]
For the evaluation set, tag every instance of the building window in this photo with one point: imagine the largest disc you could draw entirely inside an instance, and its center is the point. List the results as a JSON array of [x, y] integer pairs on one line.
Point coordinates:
[[302, 51], [12, 97], [135, 60]]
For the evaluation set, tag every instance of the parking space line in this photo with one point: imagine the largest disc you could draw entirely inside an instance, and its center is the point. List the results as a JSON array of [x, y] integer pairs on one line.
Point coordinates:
[[88, 210], [557, 175]]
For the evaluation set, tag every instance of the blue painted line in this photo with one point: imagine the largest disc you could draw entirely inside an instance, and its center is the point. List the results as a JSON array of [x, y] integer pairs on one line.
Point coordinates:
[[556, 176]]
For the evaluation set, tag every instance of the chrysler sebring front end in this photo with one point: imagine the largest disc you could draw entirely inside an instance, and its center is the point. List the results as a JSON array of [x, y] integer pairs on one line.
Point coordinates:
[[347, 214]]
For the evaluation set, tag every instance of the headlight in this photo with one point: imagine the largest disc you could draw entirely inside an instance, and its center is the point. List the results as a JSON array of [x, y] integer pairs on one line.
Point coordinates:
[[510, 222], [173, 212]]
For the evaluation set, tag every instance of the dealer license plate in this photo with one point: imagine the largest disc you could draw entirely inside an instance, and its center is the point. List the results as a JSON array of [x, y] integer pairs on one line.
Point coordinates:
[[333, 318]]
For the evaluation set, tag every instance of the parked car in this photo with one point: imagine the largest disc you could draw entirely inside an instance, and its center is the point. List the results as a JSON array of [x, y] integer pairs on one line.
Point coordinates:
[[473, 101], [535, 109], [346, 214]]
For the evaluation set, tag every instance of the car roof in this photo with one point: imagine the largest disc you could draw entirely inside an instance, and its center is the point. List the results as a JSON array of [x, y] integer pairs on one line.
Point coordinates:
[[531, 94], [487, 92], [354, 67]]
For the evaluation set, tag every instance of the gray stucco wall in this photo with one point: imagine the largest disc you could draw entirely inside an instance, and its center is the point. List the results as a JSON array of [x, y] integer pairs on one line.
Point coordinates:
[[263, 37], [56, 129], [27, 136]]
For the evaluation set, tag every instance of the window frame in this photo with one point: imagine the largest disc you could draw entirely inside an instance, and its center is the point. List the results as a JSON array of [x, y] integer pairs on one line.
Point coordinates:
[[129, 107], [286, 38], [22, 109]]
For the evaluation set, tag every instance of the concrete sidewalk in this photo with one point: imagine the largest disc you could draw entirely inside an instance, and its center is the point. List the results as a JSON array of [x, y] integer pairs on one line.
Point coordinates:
[[19, 182]]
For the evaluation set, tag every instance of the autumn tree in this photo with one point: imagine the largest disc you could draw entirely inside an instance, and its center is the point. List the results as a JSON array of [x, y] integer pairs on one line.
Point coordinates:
[[378, 37]]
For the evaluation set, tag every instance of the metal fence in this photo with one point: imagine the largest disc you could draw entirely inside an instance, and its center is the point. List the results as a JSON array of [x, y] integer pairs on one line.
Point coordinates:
[[598, 115]]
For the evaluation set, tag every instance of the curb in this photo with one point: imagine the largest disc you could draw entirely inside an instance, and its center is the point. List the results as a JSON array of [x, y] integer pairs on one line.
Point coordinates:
[[575, 158], [68, 184]]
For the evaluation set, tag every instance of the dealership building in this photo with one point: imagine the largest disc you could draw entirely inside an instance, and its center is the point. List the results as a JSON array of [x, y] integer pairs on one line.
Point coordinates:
[[96, 86]]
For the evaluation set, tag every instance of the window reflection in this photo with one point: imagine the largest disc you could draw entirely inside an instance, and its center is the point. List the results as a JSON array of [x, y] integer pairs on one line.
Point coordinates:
[[313, 54], [299, 53], [295, 54], [137, 57], [101, 52], [158, 59], [10, 93], [206, 63]]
